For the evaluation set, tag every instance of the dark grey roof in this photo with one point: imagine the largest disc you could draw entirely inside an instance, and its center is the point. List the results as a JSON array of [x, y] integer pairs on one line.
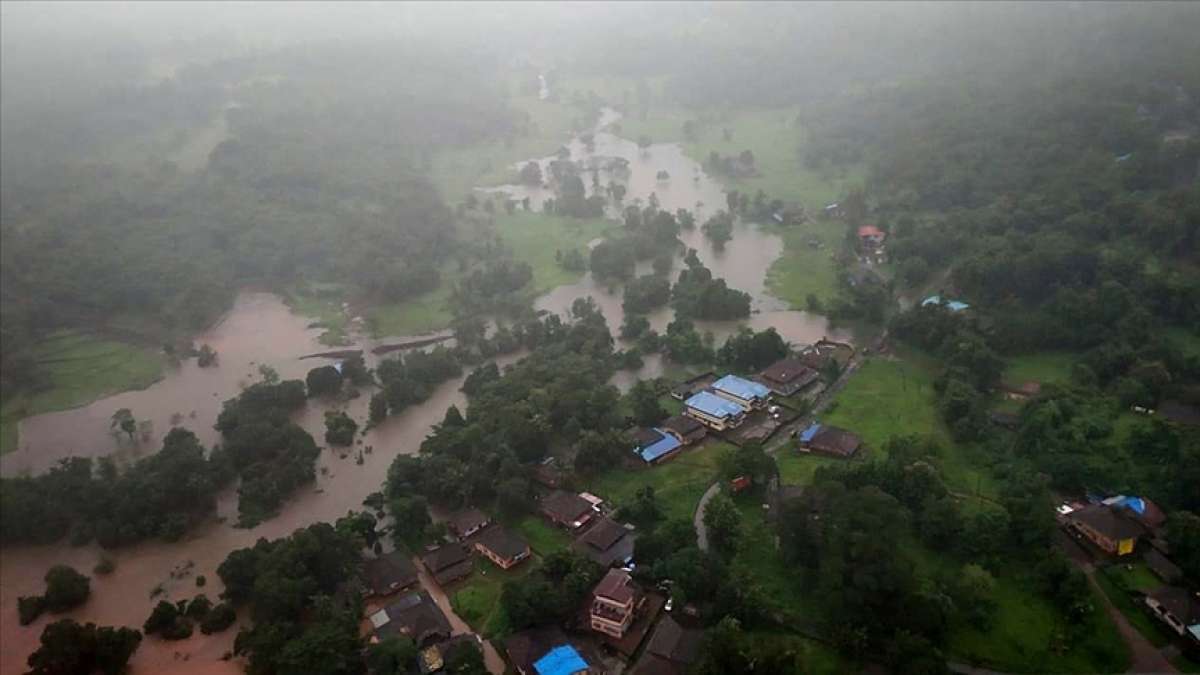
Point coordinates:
[[445, 556], [835, 441], [787, 371], [1161, 566], [503, 542], [645, 437], [464, 521], [1107, 522], [417, 616], [1179, 412], [604, 534], [683, 425], [389, 573], [673, 642], [564, 506]]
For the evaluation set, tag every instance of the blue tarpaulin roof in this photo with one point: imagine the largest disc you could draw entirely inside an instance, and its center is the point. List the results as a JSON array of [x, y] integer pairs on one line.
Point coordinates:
[[741, 387], [562, 660], [660, 447], [807, 434], [712, 405], [1135, 504], [952, 305]]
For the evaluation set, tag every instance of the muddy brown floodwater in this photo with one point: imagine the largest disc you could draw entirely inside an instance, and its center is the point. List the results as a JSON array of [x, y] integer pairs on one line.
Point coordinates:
[[261, 330]]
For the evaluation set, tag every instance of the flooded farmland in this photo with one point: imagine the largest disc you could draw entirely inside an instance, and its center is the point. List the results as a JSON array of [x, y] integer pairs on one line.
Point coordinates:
[[261, 330]]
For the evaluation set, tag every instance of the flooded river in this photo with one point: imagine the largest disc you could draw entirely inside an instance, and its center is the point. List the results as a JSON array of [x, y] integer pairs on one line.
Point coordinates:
[[260, 330]]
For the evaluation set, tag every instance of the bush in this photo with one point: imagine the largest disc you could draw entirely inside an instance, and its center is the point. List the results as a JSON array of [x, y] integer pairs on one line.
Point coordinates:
[[219, 618], [105, 566], [201, 581], [30, 608], [65, 588]]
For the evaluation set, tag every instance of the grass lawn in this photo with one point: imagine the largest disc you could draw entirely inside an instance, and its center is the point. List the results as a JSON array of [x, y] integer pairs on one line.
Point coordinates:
[[1041, 367], [1116, 584], [678, 484], [322, 302], [796, 468], [535, 238], [543, 537], [895, 397], [80, 368], [802, 270], [817, 658], [1020, 641], [478, 600], [422, 314]]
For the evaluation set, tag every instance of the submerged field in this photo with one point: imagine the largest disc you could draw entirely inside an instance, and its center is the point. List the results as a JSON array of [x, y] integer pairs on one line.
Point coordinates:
[[79, 369]]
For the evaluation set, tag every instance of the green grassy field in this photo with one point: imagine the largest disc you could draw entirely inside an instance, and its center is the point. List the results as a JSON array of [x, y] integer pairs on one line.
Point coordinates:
[[543, 537], [796, 468], [678, 484], [1044, 367], [322, 302], [758, 557], [80, 368], [535, 238], [422, 314], [477, 601], [1023, 637], [895, 397], [802, 270]]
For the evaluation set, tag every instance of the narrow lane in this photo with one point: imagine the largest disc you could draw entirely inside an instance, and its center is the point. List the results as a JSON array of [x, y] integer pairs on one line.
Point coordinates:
[[491, 657]]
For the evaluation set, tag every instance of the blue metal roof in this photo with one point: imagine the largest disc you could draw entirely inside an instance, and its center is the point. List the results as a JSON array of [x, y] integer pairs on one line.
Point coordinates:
[[741, 387], [807, 434], [562, 660], [952, 305], [660, 447], [1135, 504], [712, 405]]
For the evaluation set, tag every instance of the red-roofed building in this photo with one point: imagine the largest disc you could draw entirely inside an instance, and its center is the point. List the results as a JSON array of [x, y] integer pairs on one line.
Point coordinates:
[[614, 602]]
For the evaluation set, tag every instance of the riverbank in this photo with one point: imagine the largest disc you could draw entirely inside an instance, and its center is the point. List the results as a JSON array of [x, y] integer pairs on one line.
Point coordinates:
[[79, 369]]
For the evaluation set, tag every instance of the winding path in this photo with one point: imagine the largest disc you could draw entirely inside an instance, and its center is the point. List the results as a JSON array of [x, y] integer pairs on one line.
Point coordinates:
[[698, 518]]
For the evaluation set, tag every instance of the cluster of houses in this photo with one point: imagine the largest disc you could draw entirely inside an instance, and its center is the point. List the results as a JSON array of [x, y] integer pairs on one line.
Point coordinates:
[[1122, 527]]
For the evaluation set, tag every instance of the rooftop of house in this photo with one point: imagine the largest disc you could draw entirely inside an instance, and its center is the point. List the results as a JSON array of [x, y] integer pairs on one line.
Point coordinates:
[[415, 615], [1179, 601], [616, 586], [1107, 521], [1180, 412], [467, 520], [433, 659], [870, 231], [445, 556], [503, 542], [646, 436], [527, 647], [604, 534], [562, 660], [666, 443], [789, 370], [712, 405], [1161, 566], [741, 387], [566, 506], [674, 642], [1143, 510], [1026, 388], [682, 424], [834, 440], [389, 572]]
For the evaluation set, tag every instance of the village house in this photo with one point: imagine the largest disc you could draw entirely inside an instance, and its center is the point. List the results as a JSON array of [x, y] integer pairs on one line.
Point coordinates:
[[1180, 413], [748, 394], [615, 600], [1145, 512], [829, 440], [548, 651], [433, 659], [548, 474], [502, 547], [607, 543], [448, 563], [415, 616], [387, 574], [1179, 609], [1162, 567], [655, 445], [688, 430], [787, 377], [464, 524], [717, 413], [870, 238], [672, 649], [1021, 392], [566, 509], [1107, 528]]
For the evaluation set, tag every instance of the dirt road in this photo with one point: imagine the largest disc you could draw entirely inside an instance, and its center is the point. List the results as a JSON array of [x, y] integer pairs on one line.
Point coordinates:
[[491, 657]]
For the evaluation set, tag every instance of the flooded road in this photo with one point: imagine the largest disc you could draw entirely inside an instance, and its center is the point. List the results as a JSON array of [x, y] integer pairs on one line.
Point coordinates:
[[261, 330]]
